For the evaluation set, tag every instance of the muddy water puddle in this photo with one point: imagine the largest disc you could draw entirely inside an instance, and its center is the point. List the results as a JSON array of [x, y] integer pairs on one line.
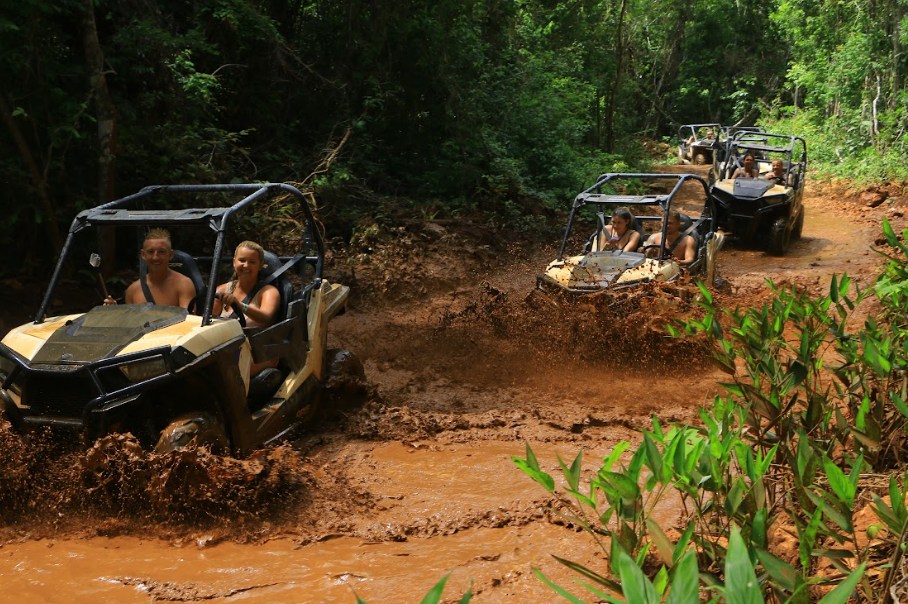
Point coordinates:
[[129, 570], [462, 509]]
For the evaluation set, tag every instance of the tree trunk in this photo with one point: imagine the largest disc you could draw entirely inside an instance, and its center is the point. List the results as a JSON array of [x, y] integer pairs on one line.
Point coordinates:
[[106, 118], [670, 68], [896, 12], [106, 112], [39, 181], [613, 93]]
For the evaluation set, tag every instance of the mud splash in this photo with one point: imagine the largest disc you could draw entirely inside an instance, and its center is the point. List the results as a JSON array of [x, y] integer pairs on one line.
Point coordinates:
[[49, 487], [610, 328]]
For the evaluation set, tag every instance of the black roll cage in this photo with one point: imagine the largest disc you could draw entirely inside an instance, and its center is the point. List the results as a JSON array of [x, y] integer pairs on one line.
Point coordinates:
[[593, 195], [716, 128], [760, 141], [119, 212]]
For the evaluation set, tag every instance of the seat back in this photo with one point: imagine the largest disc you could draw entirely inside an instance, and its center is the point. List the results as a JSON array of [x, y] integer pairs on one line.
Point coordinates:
[[282, 283], [184, 264]]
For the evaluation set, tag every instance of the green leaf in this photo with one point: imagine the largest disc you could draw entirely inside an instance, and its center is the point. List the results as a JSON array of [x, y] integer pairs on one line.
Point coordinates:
[[468, 595], [844, 590], [685, 583], [886, 514], [741, 585], [683, 541], [830, 511], [653, 458], [780, 571], [572, 474], [808, 535], [660, 581], [660, 540], [634, 584], [582, 498], [616, 452], [735, 496], [899, 403], [589, 574], [838, 482], [547, 482], [890, 235], [626, 491], [558, 589], [434, 594], [758, 528], [531, 457], [704, 290]]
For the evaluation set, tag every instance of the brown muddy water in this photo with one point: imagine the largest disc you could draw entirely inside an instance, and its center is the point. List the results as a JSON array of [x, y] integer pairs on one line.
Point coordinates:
[[383, 500]]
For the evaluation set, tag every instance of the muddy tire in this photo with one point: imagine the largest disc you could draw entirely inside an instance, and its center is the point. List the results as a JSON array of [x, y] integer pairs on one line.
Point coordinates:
[[779, 237], [345, 385], [798, 227], [709, 270], [699, 159], [199, 429]]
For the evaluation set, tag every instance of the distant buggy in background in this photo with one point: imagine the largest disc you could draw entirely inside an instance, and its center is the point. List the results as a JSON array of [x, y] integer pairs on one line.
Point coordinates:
[[697, 143], [760, 210]]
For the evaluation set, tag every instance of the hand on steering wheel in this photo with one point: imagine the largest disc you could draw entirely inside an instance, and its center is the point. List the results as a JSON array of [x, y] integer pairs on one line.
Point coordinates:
[[651, 246], [237, 307]]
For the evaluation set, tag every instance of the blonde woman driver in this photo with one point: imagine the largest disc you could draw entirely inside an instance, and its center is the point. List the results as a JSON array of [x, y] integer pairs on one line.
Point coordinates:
[[261, 309]]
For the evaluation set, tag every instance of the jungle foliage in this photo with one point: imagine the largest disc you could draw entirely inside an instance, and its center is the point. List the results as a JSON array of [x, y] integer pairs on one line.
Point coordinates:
[[501, 106]]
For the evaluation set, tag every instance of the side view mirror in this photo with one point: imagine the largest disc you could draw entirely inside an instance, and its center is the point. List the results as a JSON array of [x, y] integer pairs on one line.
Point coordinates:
[[95, 261]]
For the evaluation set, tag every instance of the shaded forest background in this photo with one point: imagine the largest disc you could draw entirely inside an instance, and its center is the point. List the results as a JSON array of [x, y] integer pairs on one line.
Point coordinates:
[[444, 107]]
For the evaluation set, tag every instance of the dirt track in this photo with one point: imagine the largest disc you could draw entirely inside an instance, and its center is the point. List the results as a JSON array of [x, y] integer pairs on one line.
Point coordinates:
[[419, 482]]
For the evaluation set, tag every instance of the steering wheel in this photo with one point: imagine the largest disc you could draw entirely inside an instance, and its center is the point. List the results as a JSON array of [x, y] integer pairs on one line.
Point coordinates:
[[193, 304], [238, 311], [651, 246], [235, 306]]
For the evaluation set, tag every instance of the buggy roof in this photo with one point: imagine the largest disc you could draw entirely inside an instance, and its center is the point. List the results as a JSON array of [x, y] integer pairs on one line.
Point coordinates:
[[124, 211], [98, 216], [594, 195], [630, 200], [762, 141]]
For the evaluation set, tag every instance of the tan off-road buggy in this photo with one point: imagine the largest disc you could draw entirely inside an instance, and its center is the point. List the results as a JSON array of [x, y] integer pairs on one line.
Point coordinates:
[[595, 270], [169, 375]]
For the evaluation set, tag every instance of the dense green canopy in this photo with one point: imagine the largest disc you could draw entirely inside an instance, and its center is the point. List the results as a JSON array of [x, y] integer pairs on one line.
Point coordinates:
[[487, 103]]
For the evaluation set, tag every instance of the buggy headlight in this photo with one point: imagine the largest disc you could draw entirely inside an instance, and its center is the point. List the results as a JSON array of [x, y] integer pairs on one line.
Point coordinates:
[[144, 369]]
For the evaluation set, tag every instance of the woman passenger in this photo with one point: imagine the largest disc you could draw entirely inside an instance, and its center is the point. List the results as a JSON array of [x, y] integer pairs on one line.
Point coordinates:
[[620, 233]]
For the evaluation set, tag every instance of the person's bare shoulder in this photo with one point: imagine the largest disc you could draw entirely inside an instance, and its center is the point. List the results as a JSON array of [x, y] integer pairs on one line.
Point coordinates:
[[134, 293], [182, 282]]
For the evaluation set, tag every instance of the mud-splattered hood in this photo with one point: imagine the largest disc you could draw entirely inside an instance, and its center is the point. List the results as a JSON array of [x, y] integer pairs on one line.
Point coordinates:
[[600, 270], [104, 331]]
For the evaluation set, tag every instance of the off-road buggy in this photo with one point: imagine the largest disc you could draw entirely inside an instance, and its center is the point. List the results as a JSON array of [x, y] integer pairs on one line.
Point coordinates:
[[697, 143], [171, 375], [595, 270], [762, 209]]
